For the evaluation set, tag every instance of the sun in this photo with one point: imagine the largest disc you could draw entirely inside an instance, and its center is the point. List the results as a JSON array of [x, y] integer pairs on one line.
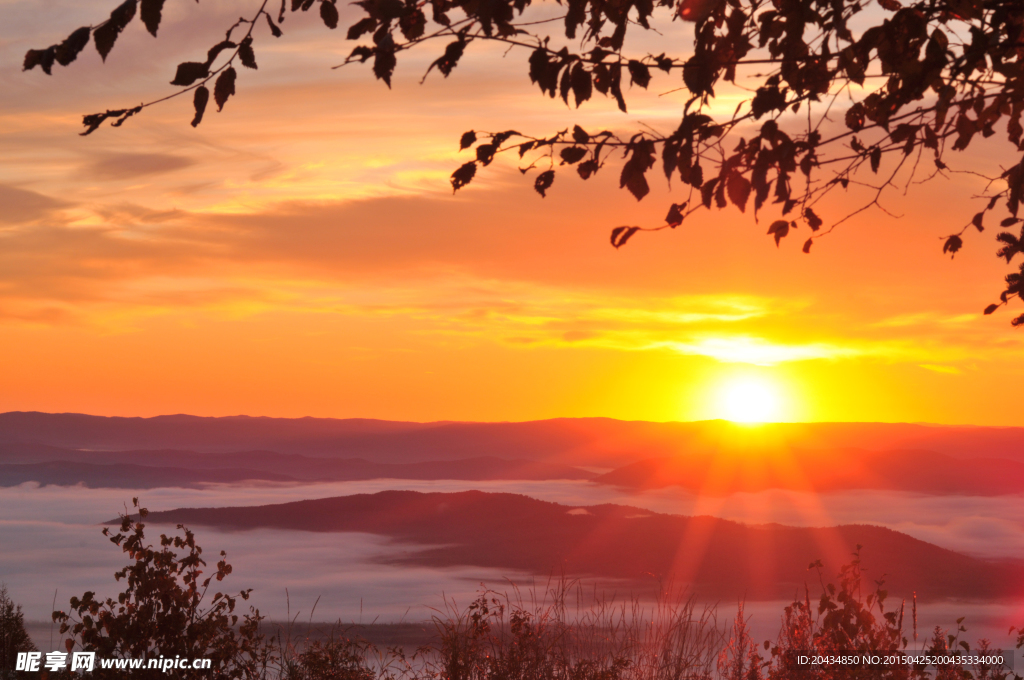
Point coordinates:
[[749, 400]]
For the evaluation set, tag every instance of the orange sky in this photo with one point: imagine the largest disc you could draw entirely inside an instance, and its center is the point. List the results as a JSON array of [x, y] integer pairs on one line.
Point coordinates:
[[301, 254]]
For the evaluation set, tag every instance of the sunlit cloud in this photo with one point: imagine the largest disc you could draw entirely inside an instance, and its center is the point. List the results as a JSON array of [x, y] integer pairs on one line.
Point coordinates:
[[750, 350]]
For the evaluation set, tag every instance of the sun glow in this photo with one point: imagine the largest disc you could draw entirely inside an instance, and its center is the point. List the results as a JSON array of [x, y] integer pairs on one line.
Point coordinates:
[[749, 400]]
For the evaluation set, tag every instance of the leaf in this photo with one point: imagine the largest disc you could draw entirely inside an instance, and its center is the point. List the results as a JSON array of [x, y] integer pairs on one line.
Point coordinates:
[[582, 84], [467, 140], [68, 50], [876, 158], [779, 229], [246, 55], [224, 87], [360, 27], [463, 176], [189, 72], [767, 99], [855, 117], [738, 187], [151, 12], [976, 221], [446, 62], [329, 14], [675, 215], [638, 73], [580, 136], [544, 181], [807, 245], [412, 23], [199, 100], [524, 147], [622, 234], [707, 191], [813, 221], [106, 35], [636, 167], [485, 153], [214, 52], [274, 30], [572, 154], [42, 58], [952, 245], [587, 168], [991, 308], [384, 63], [1009, 222]]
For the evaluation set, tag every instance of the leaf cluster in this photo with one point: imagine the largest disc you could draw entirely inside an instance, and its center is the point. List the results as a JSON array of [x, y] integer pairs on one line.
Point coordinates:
[[166, 609]]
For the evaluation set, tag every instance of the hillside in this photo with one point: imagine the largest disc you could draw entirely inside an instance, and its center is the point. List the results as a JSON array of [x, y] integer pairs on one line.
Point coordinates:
[[718, 558]]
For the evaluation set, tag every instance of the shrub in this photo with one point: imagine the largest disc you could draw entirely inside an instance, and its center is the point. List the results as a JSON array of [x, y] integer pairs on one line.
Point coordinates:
[[13, 636]]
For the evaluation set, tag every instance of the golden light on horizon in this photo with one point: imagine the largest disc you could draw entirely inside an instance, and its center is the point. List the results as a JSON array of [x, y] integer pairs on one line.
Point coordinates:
[[749, 400]]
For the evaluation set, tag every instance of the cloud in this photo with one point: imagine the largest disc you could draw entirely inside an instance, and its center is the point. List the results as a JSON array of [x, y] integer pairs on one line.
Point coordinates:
[[22, 205], [758, 351], [121, 166]]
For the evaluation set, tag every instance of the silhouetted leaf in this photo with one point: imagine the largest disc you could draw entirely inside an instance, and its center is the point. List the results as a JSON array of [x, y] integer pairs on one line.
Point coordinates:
[[544, 181], [636, 167], [150, 12], [876, 158], [463, 176], [675, 215], [467, 140], [384, 63], [214, 52], [572, 154], [106, 35], [485, 153], [813, 221], [779, 229], [524, 147], [639, 74], [622, 234], [412, 23], [274, 30], [189, 72], [582, 87], [976, 221], [446, 62], [767, 99], [361, 27], [224, 87], [738, 187], [807, 245], [245, 53], [200, 100], [1009, 221], [42, 58], [579, 135], [952, 245], [991, 308], [587, 168], [329, 14], [68, 50]]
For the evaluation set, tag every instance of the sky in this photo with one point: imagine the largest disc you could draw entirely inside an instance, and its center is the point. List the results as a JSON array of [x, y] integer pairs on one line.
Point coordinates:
[[301, 253]]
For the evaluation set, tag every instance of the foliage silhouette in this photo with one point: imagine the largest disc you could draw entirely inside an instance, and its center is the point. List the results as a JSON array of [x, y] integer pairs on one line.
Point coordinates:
[[13, 636], [921, 80], [163, 611]]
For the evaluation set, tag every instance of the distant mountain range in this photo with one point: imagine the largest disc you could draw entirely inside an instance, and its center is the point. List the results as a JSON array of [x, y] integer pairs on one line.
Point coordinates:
[[187, 469], [592, 442], [714, 557], [711, 457]]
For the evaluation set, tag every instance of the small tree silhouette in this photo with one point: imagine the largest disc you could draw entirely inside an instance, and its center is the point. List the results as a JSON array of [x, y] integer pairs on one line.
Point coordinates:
[[13, 636], [164, 611]]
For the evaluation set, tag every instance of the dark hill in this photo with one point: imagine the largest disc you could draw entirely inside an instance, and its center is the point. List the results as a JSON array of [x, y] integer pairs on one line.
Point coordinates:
[[718, 558]]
